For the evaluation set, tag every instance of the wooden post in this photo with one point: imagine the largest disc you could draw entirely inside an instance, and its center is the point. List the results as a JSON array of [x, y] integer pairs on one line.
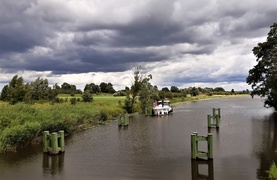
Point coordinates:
[[61, 141], [45, 141], [193, 146], [217, 120], [126, 120], [209, 121], [210, 146], [54, 143]]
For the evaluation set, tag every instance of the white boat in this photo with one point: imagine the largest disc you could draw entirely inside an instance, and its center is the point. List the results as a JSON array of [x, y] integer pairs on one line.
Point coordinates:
[[162, 108]]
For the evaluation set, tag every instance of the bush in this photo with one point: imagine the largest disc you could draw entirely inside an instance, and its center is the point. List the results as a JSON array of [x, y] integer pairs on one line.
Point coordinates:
[[272, 173], [73, 101], [19, 135]]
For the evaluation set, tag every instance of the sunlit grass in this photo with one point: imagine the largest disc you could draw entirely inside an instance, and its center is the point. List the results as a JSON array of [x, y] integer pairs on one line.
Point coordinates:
[[272, 173]]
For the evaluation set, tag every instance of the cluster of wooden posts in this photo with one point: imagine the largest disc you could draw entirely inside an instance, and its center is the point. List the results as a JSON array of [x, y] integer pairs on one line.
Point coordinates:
[[213, 121], [53, 143], [123, 120]]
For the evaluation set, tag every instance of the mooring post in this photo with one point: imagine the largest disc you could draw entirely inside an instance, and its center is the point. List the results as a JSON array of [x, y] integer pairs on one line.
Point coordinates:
[[61, 141], [216, 111], [45, 141], [209, 121], [194, 145], [126, 120], [217, 120], [54, 143], [210, 146]]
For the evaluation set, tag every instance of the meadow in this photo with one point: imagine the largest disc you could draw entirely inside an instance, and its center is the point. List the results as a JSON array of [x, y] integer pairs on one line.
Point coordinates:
[[21, 124]]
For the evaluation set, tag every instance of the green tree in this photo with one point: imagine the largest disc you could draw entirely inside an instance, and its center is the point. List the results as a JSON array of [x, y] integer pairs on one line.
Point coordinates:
[[219, 89], [87, 96], [148, 93], [39, 89], [15, 91], [263, 76], [165, 89], [92, 88], [174, 89], [194, 91], [5, 93], [137, 85]]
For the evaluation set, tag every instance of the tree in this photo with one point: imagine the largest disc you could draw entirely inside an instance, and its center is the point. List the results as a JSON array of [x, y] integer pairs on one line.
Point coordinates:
[[174, 89], [165, 89], [219, 89], [15, 91], [137, 85], [263, 76], [87, 96], [39, 89], [194, 91], [92, 88]]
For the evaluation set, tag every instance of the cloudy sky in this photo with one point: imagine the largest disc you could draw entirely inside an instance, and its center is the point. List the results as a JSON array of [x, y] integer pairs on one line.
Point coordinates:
[[203, 43]]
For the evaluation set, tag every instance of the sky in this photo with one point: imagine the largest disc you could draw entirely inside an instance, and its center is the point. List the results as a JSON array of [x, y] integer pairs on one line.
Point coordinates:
[[183, 43]]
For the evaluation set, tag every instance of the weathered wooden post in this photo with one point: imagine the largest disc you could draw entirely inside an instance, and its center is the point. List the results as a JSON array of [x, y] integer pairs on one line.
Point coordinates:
[[216, 111], [61, 141], [210, 145], [209, 121], [54, 143], [123, 120], [126, 120], [194, 146], [46, 142]]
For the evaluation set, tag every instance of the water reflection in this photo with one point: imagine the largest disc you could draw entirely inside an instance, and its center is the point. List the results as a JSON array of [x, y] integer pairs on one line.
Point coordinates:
[[195, 166], [267, 153], [53, 164]]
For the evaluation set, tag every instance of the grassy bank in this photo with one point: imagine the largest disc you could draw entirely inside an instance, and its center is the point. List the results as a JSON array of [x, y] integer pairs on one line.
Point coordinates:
[[22, 123], [202, 97]]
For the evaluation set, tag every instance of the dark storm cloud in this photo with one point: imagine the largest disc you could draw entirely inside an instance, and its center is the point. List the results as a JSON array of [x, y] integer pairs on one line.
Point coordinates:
[[101, 42]]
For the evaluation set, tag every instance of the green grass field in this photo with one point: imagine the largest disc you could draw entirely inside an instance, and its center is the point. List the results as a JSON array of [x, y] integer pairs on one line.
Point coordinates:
[[22, 123]]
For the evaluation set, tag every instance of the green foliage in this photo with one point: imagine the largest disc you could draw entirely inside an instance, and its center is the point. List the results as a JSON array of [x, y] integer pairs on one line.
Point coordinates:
[[194, 91], [73, 101], [18, 135], [120, 93], [20, 123], [272, 173], [87, 96], [174, 89], [92, 88], [263, 76], [128, 106]]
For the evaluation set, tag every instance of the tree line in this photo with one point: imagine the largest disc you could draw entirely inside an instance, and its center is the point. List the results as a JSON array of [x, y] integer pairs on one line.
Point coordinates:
[[39, 90]]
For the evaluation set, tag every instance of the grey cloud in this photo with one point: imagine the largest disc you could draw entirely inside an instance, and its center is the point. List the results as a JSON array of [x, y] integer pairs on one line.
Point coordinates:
[[111, 45]]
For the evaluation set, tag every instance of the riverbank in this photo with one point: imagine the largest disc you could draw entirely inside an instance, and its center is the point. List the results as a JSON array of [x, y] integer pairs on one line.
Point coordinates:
[[22, 124]]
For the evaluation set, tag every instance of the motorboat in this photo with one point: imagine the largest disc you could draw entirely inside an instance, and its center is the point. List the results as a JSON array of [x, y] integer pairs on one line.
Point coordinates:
[[162, 107]]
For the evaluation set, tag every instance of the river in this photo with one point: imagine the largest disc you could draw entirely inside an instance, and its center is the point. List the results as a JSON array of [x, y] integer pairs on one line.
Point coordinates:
[[160, 147]]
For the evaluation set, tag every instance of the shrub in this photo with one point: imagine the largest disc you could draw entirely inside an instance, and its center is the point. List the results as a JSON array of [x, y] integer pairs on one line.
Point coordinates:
[[19, 135], [272, 173], [73, 101]]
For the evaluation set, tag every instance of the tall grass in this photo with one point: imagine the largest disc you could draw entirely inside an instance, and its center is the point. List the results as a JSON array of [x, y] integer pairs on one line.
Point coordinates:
[[272, 173], [22, 123]]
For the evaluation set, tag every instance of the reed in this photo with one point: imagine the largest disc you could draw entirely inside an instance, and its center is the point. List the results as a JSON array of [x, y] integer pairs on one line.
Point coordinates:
[[21, 124]]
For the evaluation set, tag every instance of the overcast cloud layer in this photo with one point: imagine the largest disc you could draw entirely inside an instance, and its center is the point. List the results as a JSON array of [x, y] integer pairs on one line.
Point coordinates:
[[181, 43]]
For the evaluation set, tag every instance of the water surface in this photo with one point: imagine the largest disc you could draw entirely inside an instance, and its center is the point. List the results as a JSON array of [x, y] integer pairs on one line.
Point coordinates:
[[159, 147]]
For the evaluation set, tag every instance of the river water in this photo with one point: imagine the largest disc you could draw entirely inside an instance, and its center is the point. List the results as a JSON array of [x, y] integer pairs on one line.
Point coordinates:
[[160, 147]]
